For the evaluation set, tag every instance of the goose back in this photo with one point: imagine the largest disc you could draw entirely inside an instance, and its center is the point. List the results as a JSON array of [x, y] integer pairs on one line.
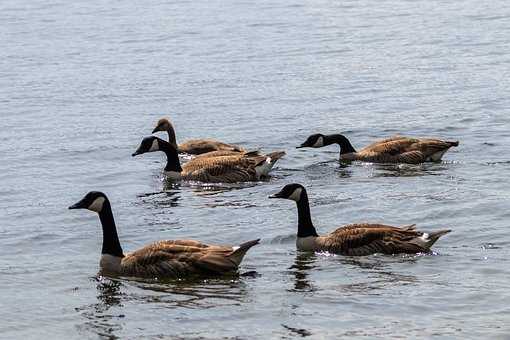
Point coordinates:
[[398, 149], [177, 259], [365, 238], [227, 169], [202, 146]]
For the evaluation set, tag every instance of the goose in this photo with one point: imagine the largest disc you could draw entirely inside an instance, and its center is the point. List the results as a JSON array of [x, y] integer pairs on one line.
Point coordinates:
[[355, 239], [195, 146], [243, 167], [396, 149], [162, 259]]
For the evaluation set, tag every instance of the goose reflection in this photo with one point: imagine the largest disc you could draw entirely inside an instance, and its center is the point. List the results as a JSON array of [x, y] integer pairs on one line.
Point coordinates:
[[201, 293], [208, 189], [99, 319], [344, 170], [109, 294], [301, 268], [376, 276], [162, 199], [408, 170]]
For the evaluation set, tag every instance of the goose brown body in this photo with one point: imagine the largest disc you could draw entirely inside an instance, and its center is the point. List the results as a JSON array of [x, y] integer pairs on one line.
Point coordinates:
[[227, 169], [216, 168], [399, 149], [396, 149], [179, 258], [194, 146], [201, 146], [355, 239], [162, 259], [365, 239], [227, 153]]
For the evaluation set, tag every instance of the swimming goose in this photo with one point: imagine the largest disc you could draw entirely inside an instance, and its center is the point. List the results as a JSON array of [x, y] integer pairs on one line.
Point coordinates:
[[396, 149], [227, 153], [355, 239], [195, 146], [243, 167], [168, 259]]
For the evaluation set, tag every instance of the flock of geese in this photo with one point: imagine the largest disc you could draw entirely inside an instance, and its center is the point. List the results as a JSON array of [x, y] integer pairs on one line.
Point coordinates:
[[214, 161]]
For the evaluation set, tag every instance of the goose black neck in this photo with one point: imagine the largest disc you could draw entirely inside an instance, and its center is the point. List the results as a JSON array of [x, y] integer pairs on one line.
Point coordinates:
[[305, 225], [171, 136], [111, 243], [345, 144], [172, 157]]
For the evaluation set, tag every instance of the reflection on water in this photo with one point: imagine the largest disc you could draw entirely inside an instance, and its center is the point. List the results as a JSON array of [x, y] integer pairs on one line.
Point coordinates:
[[378, 276], [408, 170], [169, 185], [303, 264], [114, 295], [200, 188], [162, 199], [204, 189], [297, 331], [195, 293], [344, 171], [375, 269], [99, 321]]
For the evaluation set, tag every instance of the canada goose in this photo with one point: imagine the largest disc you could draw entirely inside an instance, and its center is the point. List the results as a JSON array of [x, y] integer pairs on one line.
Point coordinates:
[[244, 167], [195, 146], [169, 259], [222, 153], [396, 149], [355, 239]]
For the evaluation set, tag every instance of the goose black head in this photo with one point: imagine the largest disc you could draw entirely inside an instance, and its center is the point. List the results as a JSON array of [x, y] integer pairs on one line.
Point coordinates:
[[162, 125], [93, 201], [314, 141], [290, 191], [148, 144]]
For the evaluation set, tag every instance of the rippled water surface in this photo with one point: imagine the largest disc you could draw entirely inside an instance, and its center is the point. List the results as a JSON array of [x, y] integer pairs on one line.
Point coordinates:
[[82, 82]]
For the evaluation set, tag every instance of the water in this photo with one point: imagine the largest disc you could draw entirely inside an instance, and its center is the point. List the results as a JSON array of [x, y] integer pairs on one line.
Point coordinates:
[[81, 83]]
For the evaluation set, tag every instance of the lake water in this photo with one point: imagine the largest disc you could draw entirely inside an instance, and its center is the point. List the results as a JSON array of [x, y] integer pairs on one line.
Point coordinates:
[[82, 82]]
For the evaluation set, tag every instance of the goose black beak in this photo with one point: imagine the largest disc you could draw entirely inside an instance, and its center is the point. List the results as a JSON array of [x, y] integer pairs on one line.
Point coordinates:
[[77, 205], [156, 129], [137, 152], [277, 195]]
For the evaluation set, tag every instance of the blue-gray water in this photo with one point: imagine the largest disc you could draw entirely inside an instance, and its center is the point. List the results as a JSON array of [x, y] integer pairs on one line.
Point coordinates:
[[82, 82]]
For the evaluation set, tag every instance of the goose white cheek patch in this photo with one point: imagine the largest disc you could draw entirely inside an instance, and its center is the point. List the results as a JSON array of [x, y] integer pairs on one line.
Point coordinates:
[[319, 142], [296, 195], [97, 205], [154, 146]]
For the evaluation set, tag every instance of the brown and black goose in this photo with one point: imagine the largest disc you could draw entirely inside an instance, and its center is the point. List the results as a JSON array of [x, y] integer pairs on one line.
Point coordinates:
[[242, 167], [195, 146], [355, 239], [396, 149], [163, 259]]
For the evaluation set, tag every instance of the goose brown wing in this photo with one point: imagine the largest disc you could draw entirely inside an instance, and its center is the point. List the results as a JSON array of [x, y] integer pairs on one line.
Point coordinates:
[[219, 153], [366, 239], [420, 151], [391, 146], [170, 259], [200, 146], [404, 150], [227, 169], [383, 141], [431, 146]]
